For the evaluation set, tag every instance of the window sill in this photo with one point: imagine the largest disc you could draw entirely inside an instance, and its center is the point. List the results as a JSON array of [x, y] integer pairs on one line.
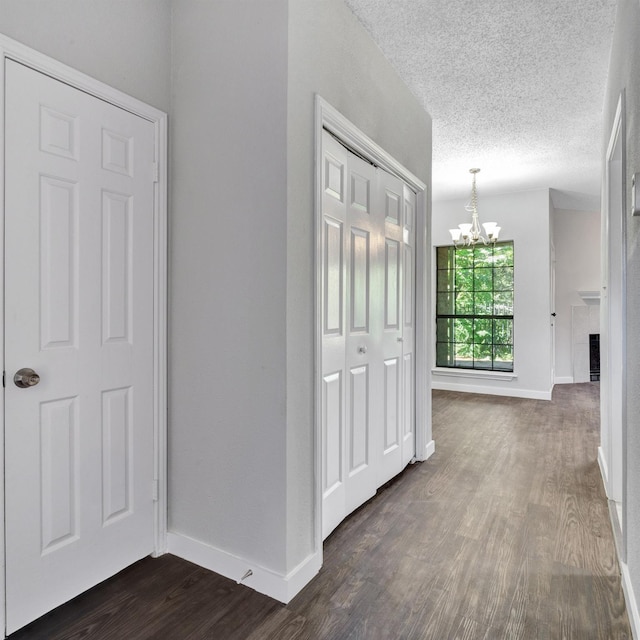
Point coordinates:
[[474, 373]]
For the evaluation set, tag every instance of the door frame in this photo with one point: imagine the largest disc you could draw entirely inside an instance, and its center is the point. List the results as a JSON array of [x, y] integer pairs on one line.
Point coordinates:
[[329, 118], [612, 459], [13, 50]]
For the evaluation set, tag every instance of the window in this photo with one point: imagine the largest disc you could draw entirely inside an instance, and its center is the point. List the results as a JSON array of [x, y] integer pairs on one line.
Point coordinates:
[[474, 309]]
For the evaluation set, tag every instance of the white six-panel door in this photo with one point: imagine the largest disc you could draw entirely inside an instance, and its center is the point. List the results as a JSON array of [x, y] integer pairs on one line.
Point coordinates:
[[390, 294], [408, 328], [350, 360], [367, 330], [79, 311]]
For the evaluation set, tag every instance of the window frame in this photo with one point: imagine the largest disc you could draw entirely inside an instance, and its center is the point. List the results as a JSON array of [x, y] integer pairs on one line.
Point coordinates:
[[473, 315]]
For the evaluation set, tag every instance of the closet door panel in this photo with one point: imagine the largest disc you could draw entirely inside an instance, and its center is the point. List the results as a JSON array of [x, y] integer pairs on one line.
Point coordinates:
[[362, 362], [391, 196], [333, 317], [368, 396], [408, 326]]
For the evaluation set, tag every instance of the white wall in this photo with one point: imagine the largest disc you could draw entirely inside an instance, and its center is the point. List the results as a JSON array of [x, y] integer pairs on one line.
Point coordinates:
[[577, 242], [227, 382], [124, 43], [525, 218], [623, 74]]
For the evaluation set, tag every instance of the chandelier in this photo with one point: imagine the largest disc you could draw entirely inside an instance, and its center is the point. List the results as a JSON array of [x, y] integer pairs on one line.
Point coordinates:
[[468, 234]]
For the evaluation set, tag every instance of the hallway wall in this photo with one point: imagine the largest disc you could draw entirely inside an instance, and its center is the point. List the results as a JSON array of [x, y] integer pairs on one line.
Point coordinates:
[[623, 75], [122, 43], [228, 264]]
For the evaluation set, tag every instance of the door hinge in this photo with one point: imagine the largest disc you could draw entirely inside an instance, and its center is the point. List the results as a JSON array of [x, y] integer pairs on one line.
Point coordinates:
[[4, 373], [155, 490], [156, 172]]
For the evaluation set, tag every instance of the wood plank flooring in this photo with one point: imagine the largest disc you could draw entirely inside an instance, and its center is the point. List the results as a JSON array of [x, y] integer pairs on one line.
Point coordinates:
[[503, 534]]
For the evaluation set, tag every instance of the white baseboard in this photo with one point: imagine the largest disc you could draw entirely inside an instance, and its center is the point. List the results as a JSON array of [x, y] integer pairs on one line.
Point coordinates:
[[278, 586], [627, 587], [563, 380], [604, 470], [427, 452], [491, 391], [430, 449], [630, 601]]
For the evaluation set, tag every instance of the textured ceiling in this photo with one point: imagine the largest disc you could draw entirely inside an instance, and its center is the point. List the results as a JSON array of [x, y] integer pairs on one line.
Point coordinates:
[[515, 87]]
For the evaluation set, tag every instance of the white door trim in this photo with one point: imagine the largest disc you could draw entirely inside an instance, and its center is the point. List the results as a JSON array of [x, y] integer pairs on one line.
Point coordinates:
[[329, 118], [615, 456], [10, 49]]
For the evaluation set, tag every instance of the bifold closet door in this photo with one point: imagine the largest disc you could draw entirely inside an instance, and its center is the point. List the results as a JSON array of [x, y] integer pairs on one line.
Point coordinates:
[[408, 398], [391, 196], [350, 354], [397, 264], [367, 337]]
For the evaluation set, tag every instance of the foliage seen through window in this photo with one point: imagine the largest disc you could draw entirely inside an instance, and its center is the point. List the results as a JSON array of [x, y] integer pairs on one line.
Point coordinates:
[[474, 314]]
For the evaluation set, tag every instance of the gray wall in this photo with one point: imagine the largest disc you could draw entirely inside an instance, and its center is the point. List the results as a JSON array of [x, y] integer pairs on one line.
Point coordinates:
[[244, 79], [623, 74], [331, 54], [124, 43], [227, 393]]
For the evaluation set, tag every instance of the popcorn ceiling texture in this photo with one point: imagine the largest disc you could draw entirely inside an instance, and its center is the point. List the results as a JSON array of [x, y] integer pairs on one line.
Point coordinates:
[[515, 87]]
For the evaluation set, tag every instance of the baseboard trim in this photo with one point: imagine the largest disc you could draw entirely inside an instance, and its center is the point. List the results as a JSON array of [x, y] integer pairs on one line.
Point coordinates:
[[491, 391], [275, 585], [427, 452], [630, 601], [563, 380], [625, 578], [430, 449], [604, 471]]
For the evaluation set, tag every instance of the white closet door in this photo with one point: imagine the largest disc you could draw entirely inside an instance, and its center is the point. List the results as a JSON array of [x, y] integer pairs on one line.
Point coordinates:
[[79, 311], [366, 438], [390, 294], [348, 351], [333, 266], [408, 434], [363, 355]]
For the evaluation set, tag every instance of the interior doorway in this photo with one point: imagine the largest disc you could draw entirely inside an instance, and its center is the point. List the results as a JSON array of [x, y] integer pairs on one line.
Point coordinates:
[[613, 327]]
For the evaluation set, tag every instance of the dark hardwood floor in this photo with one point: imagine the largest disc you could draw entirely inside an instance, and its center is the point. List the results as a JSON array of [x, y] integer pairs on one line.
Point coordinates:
[[503, 534]]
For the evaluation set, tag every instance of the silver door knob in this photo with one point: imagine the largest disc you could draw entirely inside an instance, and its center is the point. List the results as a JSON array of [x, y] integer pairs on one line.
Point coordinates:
[[362, 349], [26, 378]]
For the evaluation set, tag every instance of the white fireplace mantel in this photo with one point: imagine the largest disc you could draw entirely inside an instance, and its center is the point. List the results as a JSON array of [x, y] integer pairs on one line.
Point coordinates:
[[590, 297]]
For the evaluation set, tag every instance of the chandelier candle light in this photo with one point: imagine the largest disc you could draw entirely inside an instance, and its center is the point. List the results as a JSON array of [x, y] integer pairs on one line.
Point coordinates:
[[466, 235]]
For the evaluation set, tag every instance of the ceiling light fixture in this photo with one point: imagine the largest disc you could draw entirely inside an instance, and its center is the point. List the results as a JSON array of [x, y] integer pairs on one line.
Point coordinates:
[[466, 235]]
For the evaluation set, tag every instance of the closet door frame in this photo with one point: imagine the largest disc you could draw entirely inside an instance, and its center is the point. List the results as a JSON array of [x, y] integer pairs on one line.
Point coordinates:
[[329, 118]]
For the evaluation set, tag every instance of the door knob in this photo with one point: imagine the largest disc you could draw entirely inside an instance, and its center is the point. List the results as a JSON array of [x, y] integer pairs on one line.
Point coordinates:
[[26, 378], [362, 349]]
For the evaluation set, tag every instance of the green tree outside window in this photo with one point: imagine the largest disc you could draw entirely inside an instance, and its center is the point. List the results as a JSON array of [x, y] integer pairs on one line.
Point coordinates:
[[474, 307]]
